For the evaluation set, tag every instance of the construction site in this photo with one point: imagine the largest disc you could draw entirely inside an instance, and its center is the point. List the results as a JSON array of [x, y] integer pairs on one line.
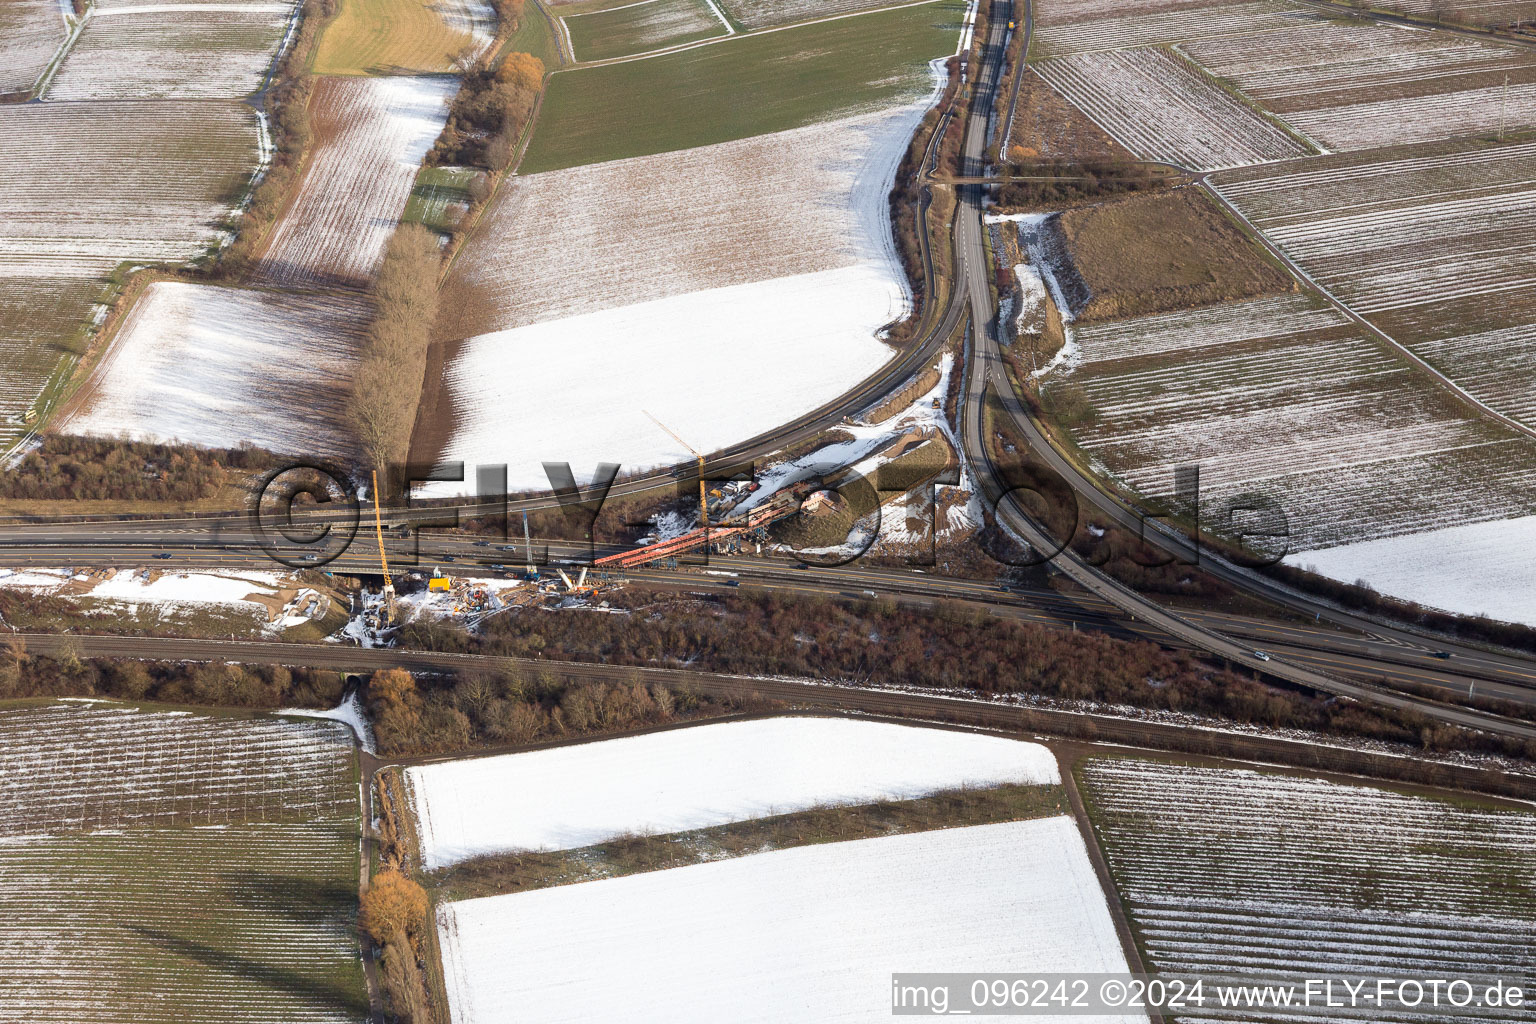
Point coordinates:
[[801, 506]]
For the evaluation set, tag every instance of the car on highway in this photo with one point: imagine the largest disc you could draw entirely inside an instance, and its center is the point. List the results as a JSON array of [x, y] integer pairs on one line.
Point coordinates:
[[164, 554], [1441, 654], [482, 543], [1261, 655]]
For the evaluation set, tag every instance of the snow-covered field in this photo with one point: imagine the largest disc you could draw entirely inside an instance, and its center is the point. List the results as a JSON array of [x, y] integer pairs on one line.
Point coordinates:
[[1281, 398], [371, 135], [1359, 86], [1331, 63], [807, 933], [30, 33], [1486, 568], [276, 599], [86, 186], [1421, 245], [682, 779], [1420, 118], [665, 284], [1128, 24], [187, 53], [1235, 870], [475, 18], [1160, 108], [225, 366], [1497, 366], [1276, 316]]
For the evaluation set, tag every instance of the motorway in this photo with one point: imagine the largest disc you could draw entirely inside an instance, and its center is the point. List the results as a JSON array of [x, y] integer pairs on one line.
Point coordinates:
[[1314, 645], [1360, 655], [986, 372]]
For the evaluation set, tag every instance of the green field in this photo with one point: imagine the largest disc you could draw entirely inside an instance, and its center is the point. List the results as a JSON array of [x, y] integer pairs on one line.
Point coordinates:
[[157, 868], [534, 35], [439, 197], [42, 321], [746, 85], [638, 28]]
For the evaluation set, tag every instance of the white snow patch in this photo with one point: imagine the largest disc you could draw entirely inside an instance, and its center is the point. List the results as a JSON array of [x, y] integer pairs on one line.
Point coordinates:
[[1042, 274], [715, 366], [1486, 568], [1031, 315], [349, 713], [225, 588], [827, 923], [225, 366], [575, 796]]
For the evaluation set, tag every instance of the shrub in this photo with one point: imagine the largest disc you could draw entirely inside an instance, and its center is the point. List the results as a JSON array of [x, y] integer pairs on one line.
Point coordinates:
[[393, 908], [88, 468]]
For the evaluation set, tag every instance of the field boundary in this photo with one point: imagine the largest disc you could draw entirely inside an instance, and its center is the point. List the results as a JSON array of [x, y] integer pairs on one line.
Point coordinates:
[[578, 65], [1402, 350], [566, 18]]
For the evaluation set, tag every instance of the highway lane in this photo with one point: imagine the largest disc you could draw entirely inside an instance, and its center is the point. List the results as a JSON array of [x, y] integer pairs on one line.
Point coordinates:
[[1154, 528], [1366, 655], [985, 371], [1175, 543]]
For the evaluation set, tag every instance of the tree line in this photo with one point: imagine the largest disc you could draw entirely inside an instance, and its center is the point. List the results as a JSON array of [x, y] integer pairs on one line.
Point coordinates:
[[954, 646], [214, 684], [1069, 180], [516, 706], [489, 112], [83, 468], [386, 388]]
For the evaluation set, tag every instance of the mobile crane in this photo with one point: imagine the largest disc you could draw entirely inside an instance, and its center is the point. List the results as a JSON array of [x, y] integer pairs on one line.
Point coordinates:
[[378, 532], [703, 503]]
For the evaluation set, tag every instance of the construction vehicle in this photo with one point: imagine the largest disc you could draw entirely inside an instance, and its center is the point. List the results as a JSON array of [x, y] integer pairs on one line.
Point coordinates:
[[378, 532], [703, 504], [532, 573]]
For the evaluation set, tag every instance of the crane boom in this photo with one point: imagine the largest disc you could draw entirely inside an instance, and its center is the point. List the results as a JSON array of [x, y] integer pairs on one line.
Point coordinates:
[[378, 532], [703, 505]]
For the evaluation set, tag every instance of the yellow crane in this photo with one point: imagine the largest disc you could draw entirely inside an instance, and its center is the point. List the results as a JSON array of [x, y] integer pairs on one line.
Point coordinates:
[[378, 532], [703, 504]]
